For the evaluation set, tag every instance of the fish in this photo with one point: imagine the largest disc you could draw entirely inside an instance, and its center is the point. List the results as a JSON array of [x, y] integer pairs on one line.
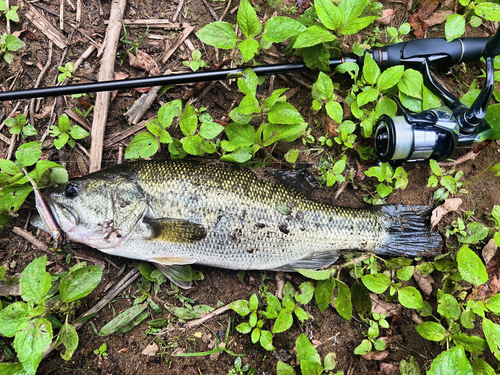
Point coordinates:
[[178, 213]]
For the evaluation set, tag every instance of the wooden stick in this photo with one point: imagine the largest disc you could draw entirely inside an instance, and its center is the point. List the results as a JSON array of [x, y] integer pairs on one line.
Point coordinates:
[[203, 319], [11, 146], [178, 10], [46, 27], [7, 20], [212, 12], [32, 239], [178, 41], [61, 15], [78, 11], [166, 24], [113, 139], [141, 106], [105, 74]]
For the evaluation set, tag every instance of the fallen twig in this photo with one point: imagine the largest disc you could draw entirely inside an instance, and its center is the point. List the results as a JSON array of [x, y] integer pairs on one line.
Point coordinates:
[[46, 27], [178, 10], [203, 319], [32, 239], [115, 138], [212, 12], [178, 41], [155, 23], [105, 74]]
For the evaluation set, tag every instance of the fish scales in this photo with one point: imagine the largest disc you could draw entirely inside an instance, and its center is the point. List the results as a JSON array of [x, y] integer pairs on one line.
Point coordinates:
[[180, 212]]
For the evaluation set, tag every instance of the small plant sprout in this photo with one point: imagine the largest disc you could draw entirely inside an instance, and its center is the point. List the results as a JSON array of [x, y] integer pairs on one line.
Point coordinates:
[[398, 34], [102, 350], [241, 370], [196, 62], [10, 43], [388, 181], [66, 133], [18, 125], [371, 335], [133, 45], [66, 71], [450, 184], [10, 14]]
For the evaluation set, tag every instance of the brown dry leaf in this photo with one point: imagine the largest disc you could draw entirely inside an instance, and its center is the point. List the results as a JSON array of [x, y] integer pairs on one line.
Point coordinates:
[[426, 8], [438, 17], [419, 27], [45, 112], [450, 204], [120, 75], [143, 61], [387, 16], [471, 155], [489, 250], [380, 306], [388, 369], [123, 350], [376, 355], [492, 286], [151, 350], [424, 282]]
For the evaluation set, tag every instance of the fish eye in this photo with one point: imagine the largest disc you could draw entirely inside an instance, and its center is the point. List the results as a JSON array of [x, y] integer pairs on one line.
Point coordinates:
[[71, 190]]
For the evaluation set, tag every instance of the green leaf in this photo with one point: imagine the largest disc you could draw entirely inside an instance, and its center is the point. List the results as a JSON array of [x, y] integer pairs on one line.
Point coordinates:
[[29, 130], [481, 367], [411, 83], [165, 137], [410, 297], [409, 368], [329, 15], [247, 19], [240, 156], [284, 113], [143, 145], [405, 273], [492, 303], [449, 183], [292, 155], [9, 167], [435, 168], [193, 145], [64, 123], [218, 34], [31, 342], [13, 43], [279, 29], [323, 293], [286, 133], [330, 361], [14, 318], [78, 132], [386, 106], [488, 10], [79, 283], [122, 320], [377, 283], [452, 361], [361, 299], [306, 293], [448, 306], [241, 307], [429, 99], [301, 314], [475, 232], [28, 153], [352, 9], [253, 302], [495, 213], [472, 344], [255, 336], [69, 338], [210, 130], [367, 96], [188, 121], [314, 35], [244, 328], [413, 104], [395, 263], [323, 87], [471, 267], [384, 190], [371, 70], [454, 27], [492, 335], [17, 368], [390, 77], [335, 111], [431, 331], [35, 282], [343, 301], [61, 140], [169, 111], [266, 340], [283, 322], [283, 369], [248, 49], [306, 350], [363, 348]]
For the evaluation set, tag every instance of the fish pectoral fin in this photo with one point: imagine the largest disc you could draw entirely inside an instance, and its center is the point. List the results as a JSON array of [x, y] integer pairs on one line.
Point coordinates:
[[313, 262], [180, 275], [175, 230]]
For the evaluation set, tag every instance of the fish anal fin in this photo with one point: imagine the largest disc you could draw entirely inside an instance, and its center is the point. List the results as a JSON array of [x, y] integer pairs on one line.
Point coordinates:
[[313, 262], [175, 230], [180, 275]]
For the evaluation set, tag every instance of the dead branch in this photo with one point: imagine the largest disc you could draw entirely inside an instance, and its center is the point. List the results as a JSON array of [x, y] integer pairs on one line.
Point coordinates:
[[42, 24], [205, 318], [32, 239], [115, 138]]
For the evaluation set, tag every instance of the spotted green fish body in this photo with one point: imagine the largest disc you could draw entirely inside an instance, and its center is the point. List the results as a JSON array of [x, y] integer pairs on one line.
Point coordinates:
[[180, 212]]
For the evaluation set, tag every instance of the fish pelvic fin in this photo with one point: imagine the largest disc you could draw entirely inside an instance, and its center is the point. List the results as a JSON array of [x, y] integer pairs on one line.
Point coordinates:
[[408, 232], [175, 230], [313, 262], [180, 275]]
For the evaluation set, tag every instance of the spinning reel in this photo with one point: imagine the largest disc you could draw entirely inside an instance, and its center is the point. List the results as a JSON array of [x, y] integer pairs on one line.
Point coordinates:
[[437, 132]]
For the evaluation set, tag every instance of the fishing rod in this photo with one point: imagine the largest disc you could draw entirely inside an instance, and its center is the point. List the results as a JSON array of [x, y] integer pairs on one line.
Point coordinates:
[[434, 133]]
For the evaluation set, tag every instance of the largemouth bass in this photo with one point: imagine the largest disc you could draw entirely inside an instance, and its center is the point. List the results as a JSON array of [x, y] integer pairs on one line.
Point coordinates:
[[176, 213]]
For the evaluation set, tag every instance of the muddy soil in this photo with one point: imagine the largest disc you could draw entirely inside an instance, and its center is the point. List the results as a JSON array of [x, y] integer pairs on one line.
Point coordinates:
[[328, 330]]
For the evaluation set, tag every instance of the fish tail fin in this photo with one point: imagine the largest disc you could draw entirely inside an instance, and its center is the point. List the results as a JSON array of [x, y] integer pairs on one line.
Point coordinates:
[[180, 275], [408, 232]]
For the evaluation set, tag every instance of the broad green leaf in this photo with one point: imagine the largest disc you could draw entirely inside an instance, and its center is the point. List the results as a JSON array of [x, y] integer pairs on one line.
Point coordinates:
[[218, 34], [492, 335], [488, 10], [367, 96], [143, 145], [454, 27], [248, 82], [475, 232], [240, 135], [409, 368], [453, 361], [247, 19], [335, 111], [413, 104], [371, 71], [165, 137], [429, 99], [386, 106], [292, 155], [64, 123], [79, 283], [14, 317], [431, 331], [244, 328], [248, 48], [69, 338], [286, 133], [405, 273], [78, 132], [361, 299], [9, 167], [306, 350], [31, 342], [323, 87], [323, 292], [35, 282], [266, 340], [17, 368], [471, 267], [14, 196], [253, 302], [210, 130], [300, 314], [28, 153], [448, 306], [314, 35], [363, 348], [396, 263], [357, 25], [188, 121], [13, 43], [283, 322], [481, 367], [495, 213], [390, 77], [472, 344], [410, 297], [449, 183], [351, 9], [284, 369], [411, 83], [493, 118], [122, 320], [255, 336], [169, 111], [241, 307], [343, 301], [193, 145], [279, 29], [240, 156], [384, 190], [377, 283], [273, 98], [249, 105], [329, 15], [306, 293], [330, 361], [492, 303], [284, 113], [61, 140], [435, 168]]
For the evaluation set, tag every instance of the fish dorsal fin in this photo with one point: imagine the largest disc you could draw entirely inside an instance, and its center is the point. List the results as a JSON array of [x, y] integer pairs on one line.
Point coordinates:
[[175, 230], [180, 275]]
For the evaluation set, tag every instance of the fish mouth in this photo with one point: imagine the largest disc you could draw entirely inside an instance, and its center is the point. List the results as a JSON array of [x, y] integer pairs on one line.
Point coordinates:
[[66, 217]]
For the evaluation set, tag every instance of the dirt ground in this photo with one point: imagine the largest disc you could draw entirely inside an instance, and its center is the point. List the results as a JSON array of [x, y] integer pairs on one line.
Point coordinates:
[[330, 332]]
